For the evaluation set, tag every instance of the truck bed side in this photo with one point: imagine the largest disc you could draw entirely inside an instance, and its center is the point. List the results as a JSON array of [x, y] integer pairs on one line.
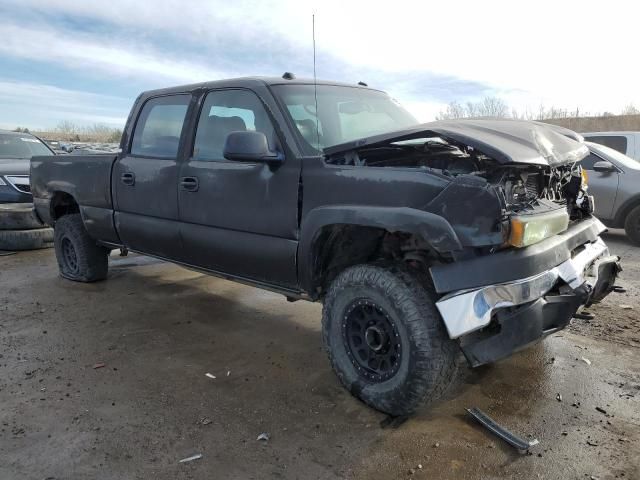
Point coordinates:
[[78, 183]]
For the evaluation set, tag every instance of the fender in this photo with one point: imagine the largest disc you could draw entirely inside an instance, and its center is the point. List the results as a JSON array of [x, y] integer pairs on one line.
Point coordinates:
[[624, 210], [431, 227]]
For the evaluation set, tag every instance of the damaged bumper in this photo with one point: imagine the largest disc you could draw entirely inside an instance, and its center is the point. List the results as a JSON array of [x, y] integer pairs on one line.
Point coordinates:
[[494, 320]]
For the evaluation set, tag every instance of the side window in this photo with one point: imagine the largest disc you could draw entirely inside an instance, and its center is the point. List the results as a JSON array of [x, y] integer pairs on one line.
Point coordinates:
[[226, 111], [588, 161], [158, 130], [617, 142]]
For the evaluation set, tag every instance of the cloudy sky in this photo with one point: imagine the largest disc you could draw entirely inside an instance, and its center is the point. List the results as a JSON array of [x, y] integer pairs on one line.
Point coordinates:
[[85, 61]]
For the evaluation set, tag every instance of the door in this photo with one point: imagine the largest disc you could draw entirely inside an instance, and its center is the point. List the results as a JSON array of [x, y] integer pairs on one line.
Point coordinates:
[[237, 217], [146, 179], [602, 185]]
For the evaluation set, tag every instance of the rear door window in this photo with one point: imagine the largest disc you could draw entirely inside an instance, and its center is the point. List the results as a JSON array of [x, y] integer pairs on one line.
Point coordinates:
[[617, 142], [159, 127]]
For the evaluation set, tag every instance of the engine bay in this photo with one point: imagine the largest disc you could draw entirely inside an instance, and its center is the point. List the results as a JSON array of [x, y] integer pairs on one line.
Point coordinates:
[[523, 188]]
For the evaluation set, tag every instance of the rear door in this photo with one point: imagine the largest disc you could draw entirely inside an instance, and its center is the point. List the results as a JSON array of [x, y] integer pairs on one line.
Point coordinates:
[[237, 217], [146, 178]]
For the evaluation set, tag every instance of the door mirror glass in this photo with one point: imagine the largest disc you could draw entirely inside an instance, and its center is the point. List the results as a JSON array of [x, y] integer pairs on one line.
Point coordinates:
[[249, 146], [604, 167]]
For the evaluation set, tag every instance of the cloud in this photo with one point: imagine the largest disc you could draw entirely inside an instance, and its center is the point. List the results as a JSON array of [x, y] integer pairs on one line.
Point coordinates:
[[426, 54], [43, 106]]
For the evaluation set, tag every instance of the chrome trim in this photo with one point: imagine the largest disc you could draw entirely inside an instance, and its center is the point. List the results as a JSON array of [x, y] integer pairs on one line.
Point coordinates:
[[16, 181], [469, 310]]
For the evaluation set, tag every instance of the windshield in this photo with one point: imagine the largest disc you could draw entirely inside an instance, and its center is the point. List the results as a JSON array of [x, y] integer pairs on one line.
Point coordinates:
[[344, 113], [615, 155], [21, 146]]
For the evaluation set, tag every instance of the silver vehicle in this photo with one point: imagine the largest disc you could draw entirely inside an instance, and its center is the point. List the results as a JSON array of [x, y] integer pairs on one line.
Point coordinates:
[[614, 181], [624, 142]]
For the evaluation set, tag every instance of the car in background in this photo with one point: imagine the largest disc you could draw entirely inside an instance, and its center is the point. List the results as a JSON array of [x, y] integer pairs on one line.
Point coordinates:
[[624, 142], [614, 181], [16, 149]]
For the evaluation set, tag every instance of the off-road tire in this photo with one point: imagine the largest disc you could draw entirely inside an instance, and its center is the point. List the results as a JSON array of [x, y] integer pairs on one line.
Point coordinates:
[[428, 357], [26, 239], [18, 216], [79, 257], [632, 225]]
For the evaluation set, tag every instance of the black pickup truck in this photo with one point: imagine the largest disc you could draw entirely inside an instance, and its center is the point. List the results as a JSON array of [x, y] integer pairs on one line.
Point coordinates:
[[421, 240]]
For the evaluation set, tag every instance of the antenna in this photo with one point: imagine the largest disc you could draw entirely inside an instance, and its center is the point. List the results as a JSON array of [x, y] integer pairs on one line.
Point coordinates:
[[315, 81]]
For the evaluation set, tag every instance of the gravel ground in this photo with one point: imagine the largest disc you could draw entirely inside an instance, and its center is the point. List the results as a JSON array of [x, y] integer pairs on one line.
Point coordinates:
[[107, 381]]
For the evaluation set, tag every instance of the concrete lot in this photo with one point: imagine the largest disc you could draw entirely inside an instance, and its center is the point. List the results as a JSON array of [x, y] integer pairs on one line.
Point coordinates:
[[159, 328]]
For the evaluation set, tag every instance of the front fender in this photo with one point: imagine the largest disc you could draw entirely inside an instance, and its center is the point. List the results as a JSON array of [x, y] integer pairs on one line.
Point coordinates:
[[434, 229]]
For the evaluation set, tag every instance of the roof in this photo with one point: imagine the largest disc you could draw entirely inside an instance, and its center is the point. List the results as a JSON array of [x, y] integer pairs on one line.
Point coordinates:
[[248, 82], [617, 132]]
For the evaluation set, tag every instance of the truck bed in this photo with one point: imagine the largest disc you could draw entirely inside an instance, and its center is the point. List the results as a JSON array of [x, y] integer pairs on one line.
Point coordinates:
[[86, 178]]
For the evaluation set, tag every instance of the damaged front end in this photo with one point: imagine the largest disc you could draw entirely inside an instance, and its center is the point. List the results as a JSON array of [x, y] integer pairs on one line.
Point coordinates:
[[517, 199]]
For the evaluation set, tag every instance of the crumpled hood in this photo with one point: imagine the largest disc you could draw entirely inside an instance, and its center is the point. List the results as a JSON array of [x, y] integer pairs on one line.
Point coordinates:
[[14, 167], [506, 141]]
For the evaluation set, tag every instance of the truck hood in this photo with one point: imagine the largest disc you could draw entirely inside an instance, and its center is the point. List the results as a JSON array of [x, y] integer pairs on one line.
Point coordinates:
[[506, 141], [18, 166]]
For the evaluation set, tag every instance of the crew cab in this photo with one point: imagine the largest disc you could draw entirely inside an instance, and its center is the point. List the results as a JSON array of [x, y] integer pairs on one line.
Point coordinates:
[[421, 240]]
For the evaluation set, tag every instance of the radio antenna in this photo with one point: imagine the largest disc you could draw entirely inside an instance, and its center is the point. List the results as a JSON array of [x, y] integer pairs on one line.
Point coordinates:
[[315, 81]]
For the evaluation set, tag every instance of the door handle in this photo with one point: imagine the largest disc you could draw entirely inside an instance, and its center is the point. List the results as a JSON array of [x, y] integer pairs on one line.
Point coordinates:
[[128, 179], [190, 184]]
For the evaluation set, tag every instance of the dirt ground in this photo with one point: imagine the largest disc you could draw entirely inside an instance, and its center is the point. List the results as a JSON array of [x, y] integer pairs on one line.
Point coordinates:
[[158, 329]]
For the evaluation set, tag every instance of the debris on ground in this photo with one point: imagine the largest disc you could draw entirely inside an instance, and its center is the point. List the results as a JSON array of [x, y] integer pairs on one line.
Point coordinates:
[[626, 307], [591, 443], [99, 365], [205, 421], [228, 372], [436, 445], [197, 456], [264, 436], [559, 397], [601, 410], [210, 375], [585, 360], [518, 443]]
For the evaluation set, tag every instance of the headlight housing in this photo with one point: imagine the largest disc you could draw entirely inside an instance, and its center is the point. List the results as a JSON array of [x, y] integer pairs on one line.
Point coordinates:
[[529, 229]]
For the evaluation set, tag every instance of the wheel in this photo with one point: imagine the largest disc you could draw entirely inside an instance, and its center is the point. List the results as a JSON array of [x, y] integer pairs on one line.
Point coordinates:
[[385, 338], [18, 216], [26, 239], [79, 257], [632, 225]]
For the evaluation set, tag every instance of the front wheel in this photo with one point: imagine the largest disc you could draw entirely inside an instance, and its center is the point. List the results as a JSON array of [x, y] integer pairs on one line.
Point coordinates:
[[632, 225], [79, 257], [385, 338]]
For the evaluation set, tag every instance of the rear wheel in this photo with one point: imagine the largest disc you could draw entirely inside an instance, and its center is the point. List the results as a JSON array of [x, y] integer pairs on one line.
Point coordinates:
[[632, 225], [385, 338], [79, 257]]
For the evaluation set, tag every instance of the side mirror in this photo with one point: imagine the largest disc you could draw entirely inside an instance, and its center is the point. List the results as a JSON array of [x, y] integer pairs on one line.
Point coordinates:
[[249, 146], [604, 167]]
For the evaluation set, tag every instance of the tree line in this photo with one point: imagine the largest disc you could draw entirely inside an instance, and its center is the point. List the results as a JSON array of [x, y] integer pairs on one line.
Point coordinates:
[[70, 132]]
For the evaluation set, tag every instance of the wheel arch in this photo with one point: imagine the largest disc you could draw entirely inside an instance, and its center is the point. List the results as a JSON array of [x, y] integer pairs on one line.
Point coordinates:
[[624, 210], [336, 237], [62, 203]]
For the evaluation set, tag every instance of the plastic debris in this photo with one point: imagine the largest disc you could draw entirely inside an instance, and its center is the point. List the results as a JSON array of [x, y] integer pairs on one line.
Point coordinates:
[[486, 421], [210, 375], [228, 372], [559, 397], [197, 456], [586, 360], [264, 436], [626, 307], [99, 365]]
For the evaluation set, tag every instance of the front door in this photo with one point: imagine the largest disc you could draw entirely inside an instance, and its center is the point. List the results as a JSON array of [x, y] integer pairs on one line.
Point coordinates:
[[146, 179], [237, 217], [602, 185]]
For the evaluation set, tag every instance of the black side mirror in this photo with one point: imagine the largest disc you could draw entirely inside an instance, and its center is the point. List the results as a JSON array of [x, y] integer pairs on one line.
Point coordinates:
[[249, 146], [604, 167]]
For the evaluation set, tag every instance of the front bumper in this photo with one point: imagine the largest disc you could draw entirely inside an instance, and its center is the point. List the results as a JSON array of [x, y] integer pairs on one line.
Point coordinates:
[[510, 315]]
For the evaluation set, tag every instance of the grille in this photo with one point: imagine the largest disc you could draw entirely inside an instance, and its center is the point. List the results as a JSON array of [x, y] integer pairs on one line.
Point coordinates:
[[23, 188], [532, 185]]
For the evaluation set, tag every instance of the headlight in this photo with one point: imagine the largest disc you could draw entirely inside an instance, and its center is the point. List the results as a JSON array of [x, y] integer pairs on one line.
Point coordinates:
[[529, 229]]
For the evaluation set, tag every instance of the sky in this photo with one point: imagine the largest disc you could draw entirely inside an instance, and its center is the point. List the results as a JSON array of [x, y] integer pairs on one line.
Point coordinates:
[[86, 61]]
